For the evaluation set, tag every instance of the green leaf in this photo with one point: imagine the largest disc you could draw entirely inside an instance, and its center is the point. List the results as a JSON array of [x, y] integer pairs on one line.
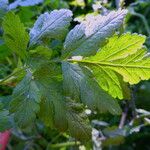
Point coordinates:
[[15, 36], [72, 76], [4, 118], [4, 51], [77, 3], [119, 47], [86, 38], [80, 85], [40, 55], [57, 110], [114, 136], [41, 51], [122, 55], [78, 123], [52, 107], [57, 4], [26, 14], [54, 25], [25, 101], [46, 112], [126, 91]]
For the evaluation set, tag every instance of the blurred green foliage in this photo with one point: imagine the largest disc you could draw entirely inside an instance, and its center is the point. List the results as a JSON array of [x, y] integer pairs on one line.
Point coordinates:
[[135, 135]]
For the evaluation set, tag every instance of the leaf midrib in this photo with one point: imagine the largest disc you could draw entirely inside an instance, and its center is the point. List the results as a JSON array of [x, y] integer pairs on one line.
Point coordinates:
[[109, 64], [39, 35], [87, 38]]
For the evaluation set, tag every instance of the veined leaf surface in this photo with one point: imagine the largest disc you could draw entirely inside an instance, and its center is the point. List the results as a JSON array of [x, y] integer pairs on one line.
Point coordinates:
[[54, 24], [58, 110], [25, 102], [80, 86], [123, 55], [86, 38], [15, 36]]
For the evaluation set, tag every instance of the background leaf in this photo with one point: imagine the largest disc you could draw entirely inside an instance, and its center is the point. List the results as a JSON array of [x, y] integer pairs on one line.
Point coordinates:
[[15, 36], [5, 122], [3, 8], [17, 3]]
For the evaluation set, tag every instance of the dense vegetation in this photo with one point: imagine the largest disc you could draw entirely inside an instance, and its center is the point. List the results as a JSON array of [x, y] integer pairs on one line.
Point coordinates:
[[74, 74]]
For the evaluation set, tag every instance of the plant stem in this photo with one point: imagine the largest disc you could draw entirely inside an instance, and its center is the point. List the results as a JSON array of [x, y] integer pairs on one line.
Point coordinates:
[[67, 144], [123, 117], [132, 103], [2, 81]]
